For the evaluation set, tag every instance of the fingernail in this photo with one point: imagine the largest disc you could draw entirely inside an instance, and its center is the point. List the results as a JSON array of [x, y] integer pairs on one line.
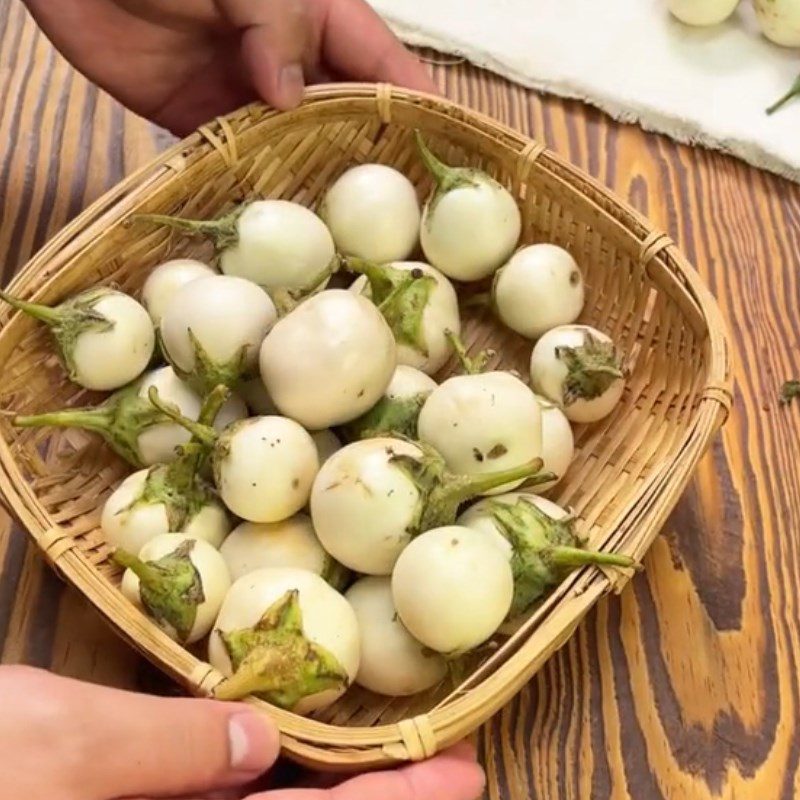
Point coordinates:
[[291, 84], [253, 743]]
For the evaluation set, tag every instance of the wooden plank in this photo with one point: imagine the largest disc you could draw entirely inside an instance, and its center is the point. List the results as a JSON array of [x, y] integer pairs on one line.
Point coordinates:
[[687, 685]]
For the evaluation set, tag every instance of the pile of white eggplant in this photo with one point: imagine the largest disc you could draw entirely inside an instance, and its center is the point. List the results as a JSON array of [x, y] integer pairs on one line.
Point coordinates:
[[303, 493]]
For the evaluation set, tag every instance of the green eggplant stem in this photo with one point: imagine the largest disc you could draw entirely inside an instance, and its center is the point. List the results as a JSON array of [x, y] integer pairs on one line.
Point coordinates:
[[479, 484], [441, 173], [563, 556], [205, 434], [50, 316], [212, 405], [245, 681], [88, 418], [201, 226], [794, 91], [140, 568]]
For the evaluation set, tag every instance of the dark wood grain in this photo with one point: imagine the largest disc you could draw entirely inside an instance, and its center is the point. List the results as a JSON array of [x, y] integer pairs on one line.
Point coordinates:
[[684, 687]]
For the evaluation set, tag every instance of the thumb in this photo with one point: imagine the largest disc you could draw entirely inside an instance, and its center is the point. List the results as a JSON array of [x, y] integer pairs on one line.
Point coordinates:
[[140, 745]]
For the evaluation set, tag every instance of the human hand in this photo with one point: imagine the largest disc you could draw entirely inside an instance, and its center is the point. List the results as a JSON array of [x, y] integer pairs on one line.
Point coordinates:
[[65, 740], [183, 62]]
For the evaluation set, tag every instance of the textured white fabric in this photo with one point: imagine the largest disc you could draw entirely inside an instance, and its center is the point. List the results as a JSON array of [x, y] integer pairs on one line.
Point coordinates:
[[633, 60]]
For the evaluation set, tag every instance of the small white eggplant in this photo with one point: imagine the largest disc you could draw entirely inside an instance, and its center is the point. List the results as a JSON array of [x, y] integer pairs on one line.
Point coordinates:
[[482, 422], [373, 497], [179, 581], [129, 423], [396, 413], [372, 212], [104, 338], [263, 466], [705, 12], [471, 224], [558, 444], [540, 288], [452, 588], [540, 540], [213, 328], [289, 543], [273, 243], [329, 360], [779, 20], [578, 368], [167, 498], [166, 279], [393, 663], [287, 637], [419, 304]]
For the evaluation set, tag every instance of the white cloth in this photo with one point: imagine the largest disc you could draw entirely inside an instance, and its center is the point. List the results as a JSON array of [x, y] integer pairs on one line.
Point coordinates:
[[633, 60]]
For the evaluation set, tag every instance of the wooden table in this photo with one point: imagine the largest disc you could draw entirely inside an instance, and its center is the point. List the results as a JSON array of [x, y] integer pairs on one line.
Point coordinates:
[[685, 687]]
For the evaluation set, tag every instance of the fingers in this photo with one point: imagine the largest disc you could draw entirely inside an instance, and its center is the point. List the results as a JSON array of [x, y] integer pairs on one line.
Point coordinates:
[[453, 775], [104, 743], [278, 46], [358, 44]]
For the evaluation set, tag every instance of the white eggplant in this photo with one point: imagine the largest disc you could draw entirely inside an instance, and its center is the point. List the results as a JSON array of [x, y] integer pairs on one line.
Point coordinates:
[[329, 360], [703, 12], [558, 444], [166, 279], [104, 338], [470, 225], [372, 212], [419, 304], [578, 368], [289, 543], [179, 581], [286, 636], [213, 328], [539, 288], [393, 663], [452, 587]]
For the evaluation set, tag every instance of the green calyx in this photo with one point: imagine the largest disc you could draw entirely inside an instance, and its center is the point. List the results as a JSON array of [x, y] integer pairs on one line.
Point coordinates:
[[545, 550], [275, 661], [401, 296], [120, 420], [224, 232], [789, 391], [447, 178], [794, 91], [178, 485], [171, 588], [442, 492], [68, 320], [591, 369], [207, 374], [388, 417]]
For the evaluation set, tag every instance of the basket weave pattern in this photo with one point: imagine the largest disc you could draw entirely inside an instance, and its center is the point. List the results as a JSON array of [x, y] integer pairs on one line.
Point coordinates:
[[629, 469]]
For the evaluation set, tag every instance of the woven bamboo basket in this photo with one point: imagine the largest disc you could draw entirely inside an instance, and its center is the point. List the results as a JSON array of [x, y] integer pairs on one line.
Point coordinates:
[[629, 469]]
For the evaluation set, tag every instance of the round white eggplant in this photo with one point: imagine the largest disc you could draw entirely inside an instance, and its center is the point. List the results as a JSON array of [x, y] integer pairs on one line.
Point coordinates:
[[703, 12], [179, 581], [452, 588], [286, 636], [419, 304], [578, 368], [213, 328], [289, 543], [329, 360], [166, 279], [540, 288], [372, 212], [470, 225], [558, 444], [104, 338], [393, 663]]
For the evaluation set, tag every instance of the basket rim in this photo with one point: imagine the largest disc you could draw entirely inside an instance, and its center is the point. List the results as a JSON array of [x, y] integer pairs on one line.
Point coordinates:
[[306, 740]]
